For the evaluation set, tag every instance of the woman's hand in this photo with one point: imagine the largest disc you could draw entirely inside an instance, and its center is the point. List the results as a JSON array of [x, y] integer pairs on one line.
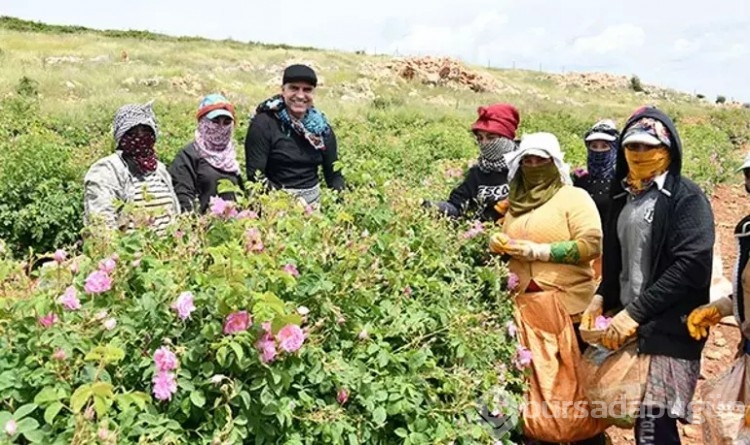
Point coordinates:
[[706, 316], [594, 309]]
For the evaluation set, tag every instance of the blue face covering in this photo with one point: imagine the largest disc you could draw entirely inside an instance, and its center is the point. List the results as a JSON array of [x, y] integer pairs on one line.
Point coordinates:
[[601, 164]]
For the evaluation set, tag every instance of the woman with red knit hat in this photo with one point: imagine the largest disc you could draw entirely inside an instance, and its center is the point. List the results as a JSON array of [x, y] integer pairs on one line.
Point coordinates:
[[486, 183]]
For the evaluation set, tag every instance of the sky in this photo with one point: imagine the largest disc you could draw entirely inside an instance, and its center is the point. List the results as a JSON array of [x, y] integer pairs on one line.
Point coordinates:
[[703, 48]]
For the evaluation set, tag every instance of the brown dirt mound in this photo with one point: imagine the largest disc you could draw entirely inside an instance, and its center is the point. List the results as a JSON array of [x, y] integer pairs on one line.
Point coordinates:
[[443, 71]]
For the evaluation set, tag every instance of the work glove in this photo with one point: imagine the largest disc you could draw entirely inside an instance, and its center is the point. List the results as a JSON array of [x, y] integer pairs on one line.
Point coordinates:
[[528, 250], [498, 242], [708, 315], [594, 309], [747, 415], [620, 329]]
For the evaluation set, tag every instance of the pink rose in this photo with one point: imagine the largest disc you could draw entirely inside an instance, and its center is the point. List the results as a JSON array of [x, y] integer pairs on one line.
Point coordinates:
[[342, 396], [60, 256], [70, 299], [237, 322], [107, 265], [103, 433], [184, 305], [407, 291], [221, 208], [291, 269], [267, 348], [165, 384], [59, 354], [513, 282], [165, 360], [253, 241], [601, 323], [48, 320], [98, 282], [290, 338], [309, 210], [73, 268], [523, 358]]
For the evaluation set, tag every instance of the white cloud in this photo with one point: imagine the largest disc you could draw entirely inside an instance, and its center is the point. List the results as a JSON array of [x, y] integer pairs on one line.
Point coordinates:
[[686, 46], [613, 39]]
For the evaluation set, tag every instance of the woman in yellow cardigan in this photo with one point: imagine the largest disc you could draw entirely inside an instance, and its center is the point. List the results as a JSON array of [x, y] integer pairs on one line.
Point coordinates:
[[552, 233]]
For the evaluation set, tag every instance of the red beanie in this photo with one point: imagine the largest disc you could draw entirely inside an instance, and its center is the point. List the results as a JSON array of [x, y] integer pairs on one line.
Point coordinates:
[[499, 119]]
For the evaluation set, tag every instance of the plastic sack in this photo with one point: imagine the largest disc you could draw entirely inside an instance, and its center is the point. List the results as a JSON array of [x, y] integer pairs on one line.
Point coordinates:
[[724, 399]]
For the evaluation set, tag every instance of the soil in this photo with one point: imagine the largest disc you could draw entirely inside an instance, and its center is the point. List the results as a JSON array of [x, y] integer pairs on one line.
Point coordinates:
[[730, 204]]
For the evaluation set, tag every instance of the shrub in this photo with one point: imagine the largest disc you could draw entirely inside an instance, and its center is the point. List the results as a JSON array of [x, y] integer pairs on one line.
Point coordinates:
[[635, 84], [403, 321], [720, 99]]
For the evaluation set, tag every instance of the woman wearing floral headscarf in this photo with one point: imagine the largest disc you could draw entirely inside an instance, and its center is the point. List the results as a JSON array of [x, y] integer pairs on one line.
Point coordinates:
[[658, 252], [485, 184], [209, 158], [552, 233], [131, 175]]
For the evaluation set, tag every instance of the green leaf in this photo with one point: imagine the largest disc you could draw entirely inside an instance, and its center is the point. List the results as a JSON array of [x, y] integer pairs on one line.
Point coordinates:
[[79, 398], [353, 439], [24, 410], [51, 412], [282, 320], [237, 348], [102, 405], [113, 354], [198, 398], [48, 394], [379, 415], [221, 356], [35, 436], [102, 389], [4, 417], [401, 432], [26, 425], [140, 399]]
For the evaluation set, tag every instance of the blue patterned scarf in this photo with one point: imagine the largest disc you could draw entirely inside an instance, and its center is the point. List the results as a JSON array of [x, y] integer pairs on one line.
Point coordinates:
[[601, 164], [313, 126]]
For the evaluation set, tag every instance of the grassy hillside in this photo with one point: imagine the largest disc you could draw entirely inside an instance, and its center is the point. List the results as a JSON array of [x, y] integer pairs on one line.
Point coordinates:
[[61, 86]]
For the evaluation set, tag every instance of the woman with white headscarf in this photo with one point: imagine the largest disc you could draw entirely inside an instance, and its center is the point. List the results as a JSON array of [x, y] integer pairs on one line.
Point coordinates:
[[552, 233], [132, 175]]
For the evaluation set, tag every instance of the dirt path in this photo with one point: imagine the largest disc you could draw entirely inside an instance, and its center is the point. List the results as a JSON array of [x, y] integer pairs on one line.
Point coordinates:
[[730, 204]]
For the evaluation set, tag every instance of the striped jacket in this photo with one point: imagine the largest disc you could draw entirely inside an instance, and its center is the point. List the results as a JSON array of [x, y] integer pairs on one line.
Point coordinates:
[[109, 186]]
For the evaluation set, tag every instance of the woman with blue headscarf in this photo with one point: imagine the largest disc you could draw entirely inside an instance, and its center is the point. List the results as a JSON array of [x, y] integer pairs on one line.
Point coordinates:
[[601, 148]]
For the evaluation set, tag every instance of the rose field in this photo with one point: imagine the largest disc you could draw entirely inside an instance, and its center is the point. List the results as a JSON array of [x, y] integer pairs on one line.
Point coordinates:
[[369, 321]]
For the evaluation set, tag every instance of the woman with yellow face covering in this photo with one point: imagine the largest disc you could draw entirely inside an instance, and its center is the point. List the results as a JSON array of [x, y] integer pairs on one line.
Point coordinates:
[[552, 233], [658, 252]]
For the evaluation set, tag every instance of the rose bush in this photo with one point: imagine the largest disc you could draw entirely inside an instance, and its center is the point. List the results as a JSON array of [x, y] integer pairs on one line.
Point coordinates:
[[365, 322]]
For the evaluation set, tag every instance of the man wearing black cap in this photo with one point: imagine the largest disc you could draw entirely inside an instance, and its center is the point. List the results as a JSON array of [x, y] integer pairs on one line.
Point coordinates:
[[288, 139]]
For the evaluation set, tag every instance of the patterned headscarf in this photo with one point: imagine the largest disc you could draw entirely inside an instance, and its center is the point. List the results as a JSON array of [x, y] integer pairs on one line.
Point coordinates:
[[131, 115], [136, 149], [213, 142], [313, 126], [601, 164], [492, 154]]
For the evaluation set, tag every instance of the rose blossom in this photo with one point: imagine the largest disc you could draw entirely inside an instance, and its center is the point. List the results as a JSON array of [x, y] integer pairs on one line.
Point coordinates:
[[237, 322], [98, 282], [48, 320], [184, 305], [290, 338], [342, 396], [165, 360], [60, 256], [70, 299], [165, 384]]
